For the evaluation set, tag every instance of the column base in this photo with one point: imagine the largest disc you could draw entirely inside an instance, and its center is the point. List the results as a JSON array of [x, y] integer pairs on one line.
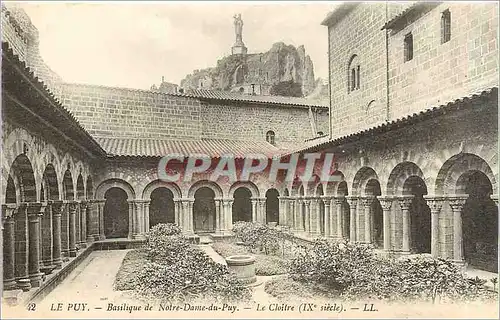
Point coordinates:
[[72, 252], [82, 245], [140, 236], [57, 263], [35, 279], [9, 284], [24, 284], [47, 269], [90, 238]]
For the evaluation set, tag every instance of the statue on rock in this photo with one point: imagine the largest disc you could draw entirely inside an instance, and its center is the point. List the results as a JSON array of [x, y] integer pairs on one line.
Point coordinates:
[[239, 46]]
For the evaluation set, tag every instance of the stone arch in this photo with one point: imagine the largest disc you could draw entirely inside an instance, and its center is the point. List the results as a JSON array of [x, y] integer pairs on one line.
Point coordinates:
[[312, 184], [286, 193], [89, 189], [49, 155], [353, 73], [332, 186], [272, 205], [173, 187], [50, 184], [23, 179], [448, 179], [68, 186], [115, 183], [361, 178], [11, 191], [80, 188], [247, 184], [205, 183], [400, 174]]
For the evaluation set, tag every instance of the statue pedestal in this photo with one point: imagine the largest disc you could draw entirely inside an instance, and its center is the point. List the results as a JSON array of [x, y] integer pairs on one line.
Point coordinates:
[[239, 50]]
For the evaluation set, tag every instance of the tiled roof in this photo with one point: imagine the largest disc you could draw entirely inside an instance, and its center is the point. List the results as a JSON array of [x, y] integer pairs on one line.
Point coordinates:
[[421, 5], [52, 109], [232, 96], [136, 147], [338, 13], [491, 93]]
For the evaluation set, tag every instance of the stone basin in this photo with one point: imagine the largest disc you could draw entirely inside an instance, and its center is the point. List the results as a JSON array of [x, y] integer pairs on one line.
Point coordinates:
[[243, 266]]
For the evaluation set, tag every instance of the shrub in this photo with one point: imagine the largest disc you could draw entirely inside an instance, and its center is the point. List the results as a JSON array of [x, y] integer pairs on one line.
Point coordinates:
[[353, 271], [226, 249], [126, 277], [178, 271], [270, 265], [260, 237]]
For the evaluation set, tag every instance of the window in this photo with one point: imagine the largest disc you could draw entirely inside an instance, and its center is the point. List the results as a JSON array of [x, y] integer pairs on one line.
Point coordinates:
[[408, 47], [445, 26], [353, 74], [270, 137]]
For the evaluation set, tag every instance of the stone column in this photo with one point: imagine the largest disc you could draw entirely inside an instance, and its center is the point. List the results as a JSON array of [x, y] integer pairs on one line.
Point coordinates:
[[352, 201], [228, 214], [187, 214], [218, 215], [34, 210], [494, 198], [435, 204], [282, 213], [317, 228], [46, 233], [72, 228], [9, 279], [339, 234], [131, 222], [90, 223], [255, 207], [100, 214], [298, 215], [367, 205], [83, 224], [139, 223], [65, 229], [262, 211], [147, 202], [457, 203], [21, 246], [386, 204], [57, 210], [328, 216], [405, 203], [307, 214], [77, 225]]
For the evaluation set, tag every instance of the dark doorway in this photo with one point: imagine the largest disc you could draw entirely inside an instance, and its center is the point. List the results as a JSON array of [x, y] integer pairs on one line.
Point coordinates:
[[242, 205], [272, 206], [204, 210], [161, 208], [116, 213]]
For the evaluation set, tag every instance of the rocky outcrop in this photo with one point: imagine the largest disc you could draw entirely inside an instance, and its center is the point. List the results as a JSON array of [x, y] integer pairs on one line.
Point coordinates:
[[257, 73]]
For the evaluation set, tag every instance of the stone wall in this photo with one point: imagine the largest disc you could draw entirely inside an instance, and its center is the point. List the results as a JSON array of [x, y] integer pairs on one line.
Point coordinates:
[[252, 122], [441, 72], [118, 112]]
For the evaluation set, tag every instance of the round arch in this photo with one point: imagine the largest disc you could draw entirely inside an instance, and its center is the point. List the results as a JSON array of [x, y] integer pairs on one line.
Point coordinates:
[[448, 179], [80, 188], [249, 185], [205, 183], [398, 176], [114, 183], [50, 184], [153, 185], [361, 178]]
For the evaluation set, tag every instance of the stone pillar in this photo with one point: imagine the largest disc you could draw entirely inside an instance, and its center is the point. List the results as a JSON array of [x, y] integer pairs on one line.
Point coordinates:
[[255, 208], [131, 214], [283, 211], [435, 204], [457, 203], [83, 224], [139, 219], [46, 233], [405, 203], [339, 234], [298, 215], [262, 211], [34, 210], [494, 198], [147, 202], [100, 215], [9, 279], [187, 216], [367, 205], [77, 225], [317, 224], [228, 214], [89, 223], [65, 229], [21, 246], [386, 204], [353, 202], [328, 216], [307, 214], [57, 210], [218, 215], [72, 226]]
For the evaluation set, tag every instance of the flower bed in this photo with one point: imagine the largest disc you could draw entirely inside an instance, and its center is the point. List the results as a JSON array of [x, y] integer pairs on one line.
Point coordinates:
[[126, 277], [175, 271]]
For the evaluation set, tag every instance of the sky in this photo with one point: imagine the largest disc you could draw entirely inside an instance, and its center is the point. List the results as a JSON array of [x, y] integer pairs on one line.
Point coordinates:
[[131, 44]]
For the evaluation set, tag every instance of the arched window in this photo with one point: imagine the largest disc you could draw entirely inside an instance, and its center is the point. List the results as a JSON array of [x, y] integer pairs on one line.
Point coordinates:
[[353, 74], [270, 137]]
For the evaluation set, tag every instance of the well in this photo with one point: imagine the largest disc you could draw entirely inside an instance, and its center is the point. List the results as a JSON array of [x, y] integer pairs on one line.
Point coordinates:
[[243, 266]]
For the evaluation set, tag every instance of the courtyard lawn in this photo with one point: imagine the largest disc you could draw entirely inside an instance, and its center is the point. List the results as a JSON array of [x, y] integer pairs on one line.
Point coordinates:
[[265, 265], [126, 277]]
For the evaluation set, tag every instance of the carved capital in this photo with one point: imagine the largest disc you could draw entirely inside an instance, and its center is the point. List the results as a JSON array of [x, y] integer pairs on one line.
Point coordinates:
[[367, 201], [434, 203], [35, 208], [8, 210], [457, 202], [72, 206], [352, 201], [339, 200], [57, 207], [494, 198], [405, 202], [307, 202], [385, 202]]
